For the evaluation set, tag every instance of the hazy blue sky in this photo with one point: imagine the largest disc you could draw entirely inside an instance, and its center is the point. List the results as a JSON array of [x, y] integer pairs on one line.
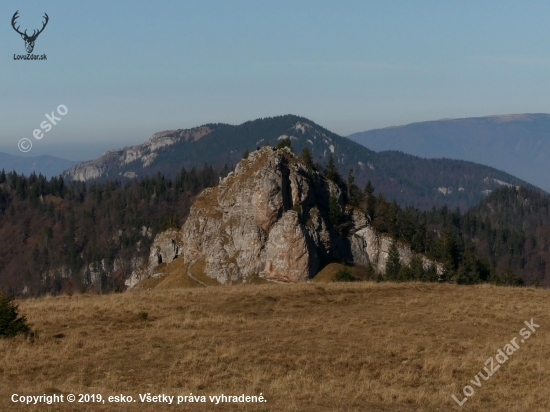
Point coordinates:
[[128, 69]]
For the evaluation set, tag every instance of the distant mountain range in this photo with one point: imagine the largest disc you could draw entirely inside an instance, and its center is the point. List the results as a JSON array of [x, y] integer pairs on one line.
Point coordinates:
[[518, 144], [46, 165], [408, 179]]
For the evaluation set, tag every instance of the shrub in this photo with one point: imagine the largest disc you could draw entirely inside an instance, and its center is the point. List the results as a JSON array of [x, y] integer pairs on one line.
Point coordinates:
[[11, 323], [284, 143], [345, 275]]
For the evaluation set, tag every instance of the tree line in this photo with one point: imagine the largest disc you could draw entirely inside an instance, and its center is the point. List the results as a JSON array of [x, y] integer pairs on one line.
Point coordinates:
[[54, 233], [471, 247]]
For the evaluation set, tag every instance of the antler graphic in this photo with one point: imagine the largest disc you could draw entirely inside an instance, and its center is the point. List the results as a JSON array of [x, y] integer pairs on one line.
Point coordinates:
[[29, 40], [15, 16], [34, 36]]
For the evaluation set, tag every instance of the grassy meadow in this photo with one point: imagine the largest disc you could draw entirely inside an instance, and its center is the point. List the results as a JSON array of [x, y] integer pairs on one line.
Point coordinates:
[[359, 346]]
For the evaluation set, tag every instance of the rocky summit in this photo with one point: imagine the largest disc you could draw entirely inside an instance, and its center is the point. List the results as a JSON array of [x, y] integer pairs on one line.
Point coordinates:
[[270, 219]]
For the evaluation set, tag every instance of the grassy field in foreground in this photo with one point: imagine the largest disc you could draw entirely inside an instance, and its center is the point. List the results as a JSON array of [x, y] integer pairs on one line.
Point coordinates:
[[313, 347]]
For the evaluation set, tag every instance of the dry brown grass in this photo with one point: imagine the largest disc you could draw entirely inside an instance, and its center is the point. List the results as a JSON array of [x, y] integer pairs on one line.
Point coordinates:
[[329, 272], [196, 270], [313, 347], [173, 275]]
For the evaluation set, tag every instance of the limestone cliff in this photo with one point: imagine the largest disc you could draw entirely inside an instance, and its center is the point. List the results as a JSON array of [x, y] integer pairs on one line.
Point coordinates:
[[165, 249], [129, 161], [269, 218]]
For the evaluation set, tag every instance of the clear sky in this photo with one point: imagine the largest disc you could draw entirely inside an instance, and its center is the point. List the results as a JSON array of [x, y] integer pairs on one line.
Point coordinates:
[[128, 69]]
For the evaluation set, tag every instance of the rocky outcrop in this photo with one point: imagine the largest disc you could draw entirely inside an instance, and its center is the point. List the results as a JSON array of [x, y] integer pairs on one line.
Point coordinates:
[[165, 249], [290, 253], [114, 163], [269, 218], [262, 220], [368, 245], [98, 272]]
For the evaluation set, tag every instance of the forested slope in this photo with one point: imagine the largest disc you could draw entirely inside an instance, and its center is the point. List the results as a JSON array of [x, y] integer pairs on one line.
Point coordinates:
[[410, 180], [61, 236]]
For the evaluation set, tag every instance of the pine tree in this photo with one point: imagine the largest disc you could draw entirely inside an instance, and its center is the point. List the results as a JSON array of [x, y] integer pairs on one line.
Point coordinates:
[[245, 155], [468, 271], [508, 277], [307, 159], [451, 253], [391, 218], [354, 194], [334, 211], [405, 274], [418, 243], [331, 172], [407, 227], [381, 214], [393, 264], [371, 200], [11, 323], [284, 143], [225, 171], [431, 274], [417, 268], [370, 273], [36, 259]]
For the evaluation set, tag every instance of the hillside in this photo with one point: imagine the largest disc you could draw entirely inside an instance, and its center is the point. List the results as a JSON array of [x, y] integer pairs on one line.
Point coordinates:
[[278, 219], [275, 211], [408, 179], [517, 144], [362, 346], [513, 227], [59, 237], [46, 165]]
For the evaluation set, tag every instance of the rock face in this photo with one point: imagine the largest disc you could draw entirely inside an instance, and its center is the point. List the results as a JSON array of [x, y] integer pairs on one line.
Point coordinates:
[[368, 246], [255, 222], [115, 163], [165, 248], [290, 254], [269, 218]]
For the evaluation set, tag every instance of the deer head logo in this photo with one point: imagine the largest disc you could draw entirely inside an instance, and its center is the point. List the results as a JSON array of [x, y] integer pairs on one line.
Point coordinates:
[[29, 40]]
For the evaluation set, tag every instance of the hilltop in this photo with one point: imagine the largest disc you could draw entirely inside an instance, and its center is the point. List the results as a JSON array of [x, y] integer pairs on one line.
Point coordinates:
[[408, 179], [518, 144]]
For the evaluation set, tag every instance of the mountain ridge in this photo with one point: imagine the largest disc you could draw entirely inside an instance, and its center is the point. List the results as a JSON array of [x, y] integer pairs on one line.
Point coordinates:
[[408, 179], [46, 165], [518, 144]]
